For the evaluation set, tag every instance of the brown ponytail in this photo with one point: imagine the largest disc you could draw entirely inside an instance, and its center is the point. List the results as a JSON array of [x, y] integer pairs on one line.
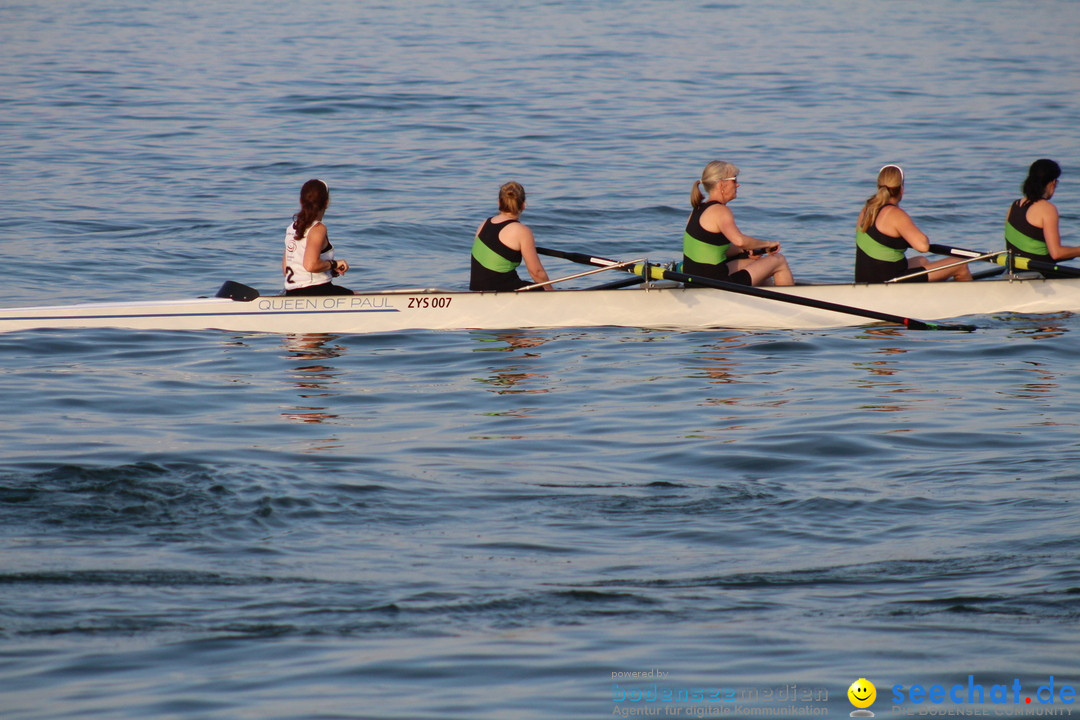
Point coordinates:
[[314, 197], [511, 198]]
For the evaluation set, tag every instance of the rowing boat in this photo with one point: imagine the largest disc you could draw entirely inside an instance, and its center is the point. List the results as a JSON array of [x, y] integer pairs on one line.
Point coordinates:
[[656, 304]]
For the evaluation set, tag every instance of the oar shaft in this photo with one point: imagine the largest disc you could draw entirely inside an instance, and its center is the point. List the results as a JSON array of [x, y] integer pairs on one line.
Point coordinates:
[[656, 272], [799, 300]]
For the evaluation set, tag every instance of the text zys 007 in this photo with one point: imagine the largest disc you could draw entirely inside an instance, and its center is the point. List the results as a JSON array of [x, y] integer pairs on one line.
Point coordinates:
[[429, 302]]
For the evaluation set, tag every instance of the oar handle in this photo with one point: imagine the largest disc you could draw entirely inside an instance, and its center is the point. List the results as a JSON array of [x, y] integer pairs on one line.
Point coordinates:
[[957, 252], [578, 257]]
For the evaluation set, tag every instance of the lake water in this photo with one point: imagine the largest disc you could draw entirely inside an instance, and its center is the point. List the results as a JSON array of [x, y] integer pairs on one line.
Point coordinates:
[[511, 524]]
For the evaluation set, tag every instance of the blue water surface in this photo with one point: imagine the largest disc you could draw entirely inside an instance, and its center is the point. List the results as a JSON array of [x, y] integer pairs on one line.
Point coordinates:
[[510, 524]]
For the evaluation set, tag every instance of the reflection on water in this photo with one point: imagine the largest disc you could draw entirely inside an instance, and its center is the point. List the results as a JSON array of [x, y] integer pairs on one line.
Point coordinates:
[[314, 377], [513, 378], [886, 331], [887, 367], [881, 374], [1043, 382], [722, 364], [718, 367], [508, 340], [506, 383], [1042, 327]]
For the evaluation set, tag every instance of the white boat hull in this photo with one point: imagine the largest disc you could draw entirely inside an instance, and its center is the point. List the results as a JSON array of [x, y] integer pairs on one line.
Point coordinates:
[[663, 306]]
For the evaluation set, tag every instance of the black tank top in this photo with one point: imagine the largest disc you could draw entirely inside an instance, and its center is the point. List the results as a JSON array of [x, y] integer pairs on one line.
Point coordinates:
[[481, 276]]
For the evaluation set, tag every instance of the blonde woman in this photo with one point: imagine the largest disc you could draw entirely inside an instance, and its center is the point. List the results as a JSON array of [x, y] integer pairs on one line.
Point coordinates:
[[713, 245], [501, 243], [884, 232]]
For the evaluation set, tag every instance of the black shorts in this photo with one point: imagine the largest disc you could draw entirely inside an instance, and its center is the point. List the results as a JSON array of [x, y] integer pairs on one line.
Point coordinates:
[[323, 289], [869, 270], [716, 272]]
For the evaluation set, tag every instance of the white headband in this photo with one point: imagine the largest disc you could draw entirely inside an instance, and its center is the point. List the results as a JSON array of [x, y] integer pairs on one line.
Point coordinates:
[[897, 167]]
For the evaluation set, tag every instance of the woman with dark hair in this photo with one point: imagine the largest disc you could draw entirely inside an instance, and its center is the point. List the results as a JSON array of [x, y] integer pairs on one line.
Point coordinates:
[[308, 263], [713, 245], [501, 243], [1031, 225], [884, 232]]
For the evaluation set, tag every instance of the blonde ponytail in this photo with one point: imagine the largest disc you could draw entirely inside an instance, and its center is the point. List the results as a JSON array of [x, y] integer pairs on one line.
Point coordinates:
[[695, 194], [890, 184], [713, 173]]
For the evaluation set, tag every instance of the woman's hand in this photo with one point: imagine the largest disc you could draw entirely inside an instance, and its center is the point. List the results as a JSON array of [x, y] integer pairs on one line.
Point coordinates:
[[766, 248]]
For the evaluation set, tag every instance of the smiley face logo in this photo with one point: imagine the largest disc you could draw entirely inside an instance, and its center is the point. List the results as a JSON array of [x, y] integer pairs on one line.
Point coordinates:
[[862, 693]]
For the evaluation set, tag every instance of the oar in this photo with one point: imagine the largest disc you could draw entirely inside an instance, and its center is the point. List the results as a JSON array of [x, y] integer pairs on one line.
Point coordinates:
[[1020, 263], [656, 272]]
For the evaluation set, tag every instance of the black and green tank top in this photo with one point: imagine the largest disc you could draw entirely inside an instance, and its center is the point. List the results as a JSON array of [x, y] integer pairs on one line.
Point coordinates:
[[1022, 237], [705, 253], [879, 257], [494, 265]]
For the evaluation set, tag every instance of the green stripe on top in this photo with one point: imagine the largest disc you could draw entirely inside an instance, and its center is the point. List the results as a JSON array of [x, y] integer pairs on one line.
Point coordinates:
[[490, 259], [876, 250], [1023, 243], [703, 252]]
